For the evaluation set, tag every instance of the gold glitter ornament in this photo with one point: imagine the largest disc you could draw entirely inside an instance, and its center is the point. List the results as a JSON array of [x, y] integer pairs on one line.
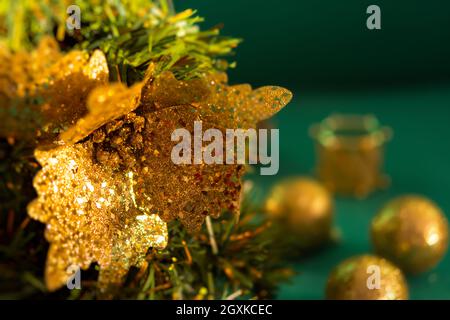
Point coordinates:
[[105, 104], [91, 216], [366, 278], [124, 140], [186, 192], [304, 207], [44, 92], [412, 232], [143, 145]]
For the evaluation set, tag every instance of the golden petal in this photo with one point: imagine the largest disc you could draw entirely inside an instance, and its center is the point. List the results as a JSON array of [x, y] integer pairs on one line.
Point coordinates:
[[45, 92], [91, 216], [262, 104], [165, 91], [104, 104]]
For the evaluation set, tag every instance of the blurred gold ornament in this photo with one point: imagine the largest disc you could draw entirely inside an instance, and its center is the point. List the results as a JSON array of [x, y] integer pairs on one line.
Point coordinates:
[[305, 208], [412, 232], [350, 153], [366, 277], [102, 191]]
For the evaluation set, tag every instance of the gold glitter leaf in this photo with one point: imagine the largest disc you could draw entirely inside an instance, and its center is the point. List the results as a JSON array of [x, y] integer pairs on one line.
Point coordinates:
[[239, 106], [45, 92], [104, 104], [66, 86], [166, 91], [262, 104], [91, 216]]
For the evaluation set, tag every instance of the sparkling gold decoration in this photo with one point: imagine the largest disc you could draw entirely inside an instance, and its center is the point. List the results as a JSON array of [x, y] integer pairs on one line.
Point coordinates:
[[412, 232], [104, 105], [123, 144], [44, 92], [91, 215], [239, 106], [305, 207], [186, 192], [366, 278], [166, 91], [350, 153]]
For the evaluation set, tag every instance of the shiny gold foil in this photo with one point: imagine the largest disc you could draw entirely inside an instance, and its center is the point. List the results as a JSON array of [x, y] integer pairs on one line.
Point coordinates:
[[412, 232], [355, 279]]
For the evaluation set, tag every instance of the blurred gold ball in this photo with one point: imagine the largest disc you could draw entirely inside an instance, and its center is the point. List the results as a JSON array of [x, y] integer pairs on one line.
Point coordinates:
[[304, 207], [366, 278], [412, 232]]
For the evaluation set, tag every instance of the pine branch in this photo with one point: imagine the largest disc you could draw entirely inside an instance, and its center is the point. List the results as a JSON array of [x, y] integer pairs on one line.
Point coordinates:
[[131, 34]]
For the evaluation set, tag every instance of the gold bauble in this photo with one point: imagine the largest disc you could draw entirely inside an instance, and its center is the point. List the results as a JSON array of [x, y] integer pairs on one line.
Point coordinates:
[[412, 232], [304, 207], [366, 278]]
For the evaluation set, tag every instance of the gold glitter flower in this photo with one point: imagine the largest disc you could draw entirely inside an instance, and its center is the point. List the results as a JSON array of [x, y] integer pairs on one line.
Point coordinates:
[[91, 215], [44, 92], [123, 145]]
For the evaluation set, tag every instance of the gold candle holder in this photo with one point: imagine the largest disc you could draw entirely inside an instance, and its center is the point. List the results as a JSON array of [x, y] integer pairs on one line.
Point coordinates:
[[350, 153]]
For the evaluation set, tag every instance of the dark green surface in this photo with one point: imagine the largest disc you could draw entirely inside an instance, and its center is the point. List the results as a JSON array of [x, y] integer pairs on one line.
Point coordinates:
[[417, 159], [326, 42], [323, 52]]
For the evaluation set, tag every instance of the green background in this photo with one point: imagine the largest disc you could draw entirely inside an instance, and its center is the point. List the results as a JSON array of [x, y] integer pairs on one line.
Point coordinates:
[[318, 43], [323, 52]]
